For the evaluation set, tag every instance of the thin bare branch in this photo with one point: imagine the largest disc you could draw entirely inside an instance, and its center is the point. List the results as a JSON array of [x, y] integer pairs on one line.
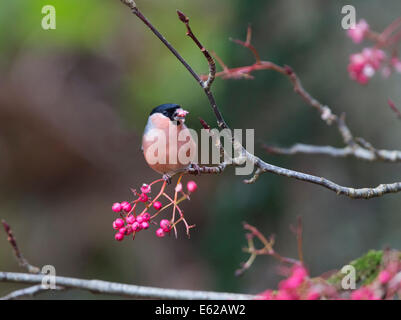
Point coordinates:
[[357, 152], [29, 292], [121, 289], [394, 108]]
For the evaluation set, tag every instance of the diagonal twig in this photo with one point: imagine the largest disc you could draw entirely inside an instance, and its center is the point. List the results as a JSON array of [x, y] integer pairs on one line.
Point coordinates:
[[20, 258]]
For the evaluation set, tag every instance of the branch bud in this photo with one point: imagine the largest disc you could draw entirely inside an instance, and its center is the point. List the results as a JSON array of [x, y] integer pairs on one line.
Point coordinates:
[[182, 17]]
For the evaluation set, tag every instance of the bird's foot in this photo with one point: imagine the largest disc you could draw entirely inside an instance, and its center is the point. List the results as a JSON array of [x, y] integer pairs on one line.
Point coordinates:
[[167, 178], [194, 169]]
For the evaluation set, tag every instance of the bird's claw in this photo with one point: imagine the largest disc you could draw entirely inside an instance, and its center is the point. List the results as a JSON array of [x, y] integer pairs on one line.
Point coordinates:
[[194, 168], [167, 178]]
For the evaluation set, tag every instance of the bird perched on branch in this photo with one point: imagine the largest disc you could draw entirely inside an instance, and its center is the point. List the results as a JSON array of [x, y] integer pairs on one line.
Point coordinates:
[[167, 143]]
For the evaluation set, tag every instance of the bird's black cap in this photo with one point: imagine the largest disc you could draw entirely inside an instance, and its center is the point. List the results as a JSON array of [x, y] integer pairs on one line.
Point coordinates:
[[167, 109]]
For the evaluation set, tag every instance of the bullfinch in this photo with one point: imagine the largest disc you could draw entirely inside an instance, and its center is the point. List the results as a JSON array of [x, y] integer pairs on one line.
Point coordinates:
[[167, 144]]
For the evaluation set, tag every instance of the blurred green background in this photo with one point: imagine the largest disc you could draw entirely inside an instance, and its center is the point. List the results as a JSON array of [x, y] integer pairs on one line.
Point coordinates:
[[74, 102]]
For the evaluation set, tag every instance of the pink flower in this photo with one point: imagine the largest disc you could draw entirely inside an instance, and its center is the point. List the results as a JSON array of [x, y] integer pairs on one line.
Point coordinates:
[[285, 295], [178, 188], [363, 293], [295, 280], [357, 34], [313, 295], [384, 277], [265, 295], [374, 57], [396, 63], [363, 65]]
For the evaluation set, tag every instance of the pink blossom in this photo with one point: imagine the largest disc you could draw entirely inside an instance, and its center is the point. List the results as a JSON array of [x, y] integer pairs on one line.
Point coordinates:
[[266, 295], [178, 188], [396, 63], [363, 65], [384, 277], [357, 34], [295, 280], [363, 293], [285, 295], [313, 295]]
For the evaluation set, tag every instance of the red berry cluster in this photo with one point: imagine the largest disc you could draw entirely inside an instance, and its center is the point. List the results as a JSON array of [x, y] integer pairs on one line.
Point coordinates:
[[132, 221]]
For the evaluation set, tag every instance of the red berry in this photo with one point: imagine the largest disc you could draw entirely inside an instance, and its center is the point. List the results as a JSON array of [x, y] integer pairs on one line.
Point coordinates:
[[122, 230], [157, 205], [191, 186], [146, 216], [118, 223], [135, 226], [165, 225], [145, 225], [145, 188], [116, 207], [143, 197], [160, 233], [139, 219], [130, 219], [128, 230], [119, 236], [126, 206]]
